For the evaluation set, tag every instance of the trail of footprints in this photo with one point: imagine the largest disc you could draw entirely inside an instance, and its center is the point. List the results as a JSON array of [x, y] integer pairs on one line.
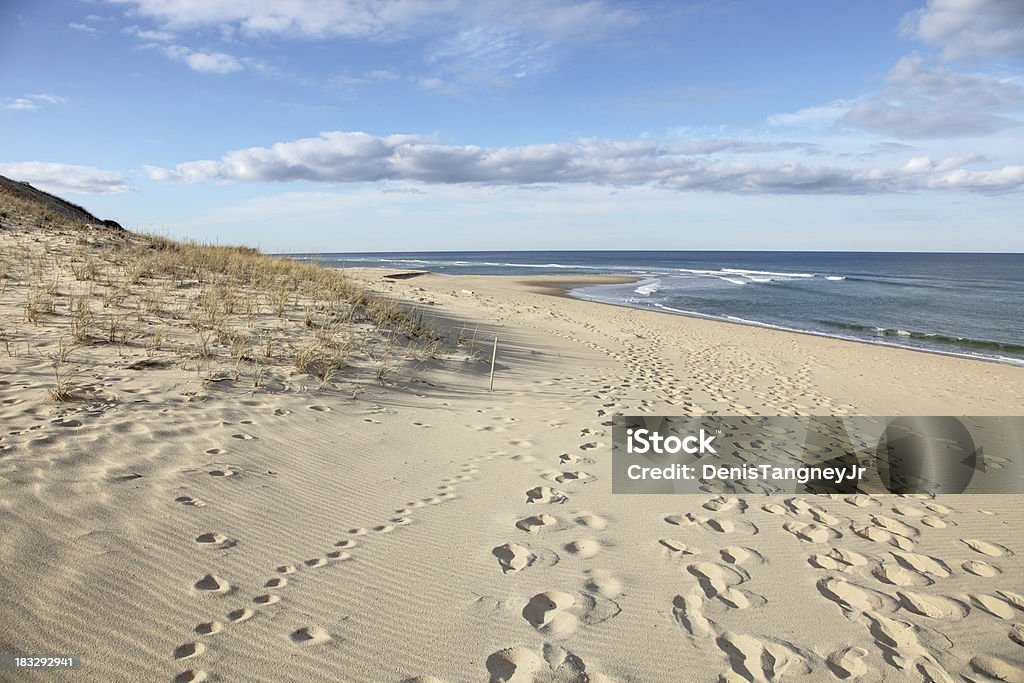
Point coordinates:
[[559, 613], [639, 353], [888, 593], [277, 581]]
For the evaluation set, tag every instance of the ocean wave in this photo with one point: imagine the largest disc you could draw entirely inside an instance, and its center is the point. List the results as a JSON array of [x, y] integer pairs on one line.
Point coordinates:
[[765, 273], [933, 337], [648, 287]]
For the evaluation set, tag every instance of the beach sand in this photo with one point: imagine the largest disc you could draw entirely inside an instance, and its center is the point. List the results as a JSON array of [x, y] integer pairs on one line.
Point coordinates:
[[406, 525]]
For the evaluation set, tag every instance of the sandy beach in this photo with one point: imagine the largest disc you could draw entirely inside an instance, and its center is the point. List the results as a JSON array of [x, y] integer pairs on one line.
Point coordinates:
[[184, 516]]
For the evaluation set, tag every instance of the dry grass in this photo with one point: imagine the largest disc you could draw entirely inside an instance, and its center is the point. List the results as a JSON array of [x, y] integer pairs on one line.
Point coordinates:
[[217, 311]]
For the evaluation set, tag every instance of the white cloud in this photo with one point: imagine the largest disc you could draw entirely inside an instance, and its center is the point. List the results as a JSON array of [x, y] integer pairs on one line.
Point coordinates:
[[438, 86], [377, 19], [143, 34], [23, 103], [345, 80], [201, 61], [824, 115], [65, 178], [923, 101], [32, 101], [84, 28], [967, 29], [355, 157], [491, 56]]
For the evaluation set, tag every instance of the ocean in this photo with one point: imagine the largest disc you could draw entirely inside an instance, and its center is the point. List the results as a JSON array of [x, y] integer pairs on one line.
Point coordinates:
[[962, 304]]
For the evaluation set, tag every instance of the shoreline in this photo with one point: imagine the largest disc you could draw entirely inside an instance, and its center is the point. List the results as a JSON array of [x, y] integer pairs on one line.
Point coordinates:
[[561, 286]]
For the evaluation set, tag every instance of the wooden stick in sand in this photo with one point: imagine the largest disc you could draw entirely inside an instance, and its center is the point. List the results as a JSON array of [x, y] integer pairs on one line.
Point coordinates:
[[494, 355]]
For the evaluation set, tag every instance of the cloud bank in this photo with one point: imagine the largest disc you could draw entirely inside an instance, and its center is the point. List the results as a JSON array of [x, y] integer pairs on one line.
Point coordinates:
[[356, 157], [381, 19], [970, 29], [922, 101], [65, 178]]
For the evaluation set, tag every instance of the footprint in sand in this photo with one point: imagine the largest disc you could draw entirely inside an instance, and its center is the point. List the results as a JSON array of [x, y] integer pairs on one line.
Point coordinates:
[[286, 569], [985, 548], [189, 650], [998, 669], [923, 564], [545, 494], [851, 597], [212, 538], [190, 501], [838, 559], [321, 409], [739, 555], [266, 599], [513, 557], [315, 562], [756, 660], [208, 628], [719, 582], [239, 615], [583, 548], [276, 582], [877, 535], [578, 476], [592, 521], [513, 664], [997, 607], [897, 574], [931, 606], [191, 676], [547, 612], [310, 635], [281, 412], [895, 526], [212, 584], [590, 446], [603, 583], [688, 613], [862, 501], [225, 472], [723, 504], [216, 451], [244, 437], [678, 547], [536, 523], [981, 568], [848, 663]]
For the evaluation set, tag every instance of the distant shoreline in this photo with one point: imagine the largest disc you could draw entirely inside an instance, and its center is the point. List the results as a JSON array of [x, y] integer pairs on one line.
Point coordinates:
[[562, 286]]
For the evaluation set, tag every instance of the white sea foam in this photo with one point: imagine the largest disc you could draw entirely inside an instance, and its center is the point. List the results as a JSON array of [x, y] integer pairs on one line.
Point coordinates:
[[648, 287], [769, 273]]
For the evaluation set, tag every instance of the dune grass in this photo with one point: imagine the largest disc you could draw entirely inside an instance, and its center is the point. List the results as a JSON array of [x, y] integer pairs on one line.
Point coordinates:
[[223, 313]]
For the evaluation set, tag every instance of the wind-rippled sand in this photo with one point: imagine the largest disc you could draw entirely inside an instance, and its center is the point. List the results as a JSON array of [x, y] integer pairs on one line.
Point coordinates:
[[430, 530]]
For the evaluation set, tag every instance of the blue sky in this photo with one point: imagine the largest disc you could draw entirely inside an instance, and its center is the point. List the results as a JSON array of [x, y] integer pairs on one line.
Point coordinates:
[[346, 125]]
